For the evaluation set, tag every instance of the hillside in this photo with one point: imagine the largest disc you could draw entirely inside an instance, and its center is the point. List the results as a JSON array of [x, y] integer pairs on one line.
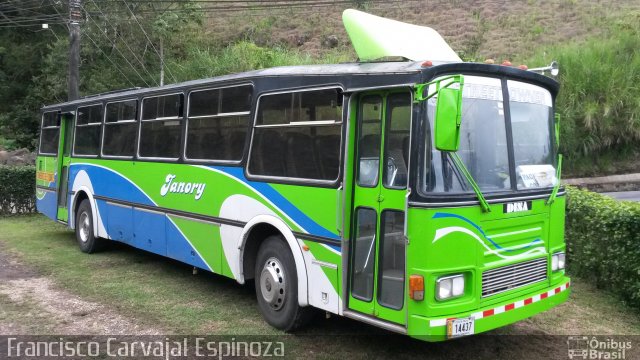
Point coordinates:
[[477, 29]]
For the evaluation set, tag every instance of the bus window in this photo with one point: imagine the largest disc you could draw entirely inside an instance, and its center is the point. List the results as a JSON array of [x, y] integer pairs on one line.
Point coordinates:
[[369, 140], [396, 139], [217, 123], [120, 129], [161, 126], [49, 133], [88, 125], [297, 135]]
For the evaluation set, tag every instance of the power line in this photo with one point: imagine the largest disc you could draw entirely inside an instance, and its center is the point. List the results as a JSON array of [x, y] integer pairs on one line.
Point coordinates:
[[119, 52], [27, 22], [58, 12], [11, 7], [147, 36], [261, 7], [110, 60], [28, 26], [125, 43]]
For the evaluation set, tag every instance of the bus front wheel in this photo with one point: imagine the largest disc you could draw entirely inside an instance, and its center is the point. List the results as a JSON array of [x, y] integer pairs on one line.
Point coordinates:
[[276, 285], [84, 230]]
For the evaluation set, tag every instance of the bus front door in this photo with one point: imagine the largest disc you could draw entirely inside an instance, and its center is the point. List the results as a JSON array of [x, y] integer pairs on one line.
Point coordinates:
[[64, 158], [377, 271]]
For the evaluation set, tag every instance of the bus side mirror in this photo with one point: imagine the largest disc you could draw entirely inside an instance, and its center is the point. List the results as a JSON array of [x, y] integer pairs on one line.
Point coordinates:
[[447, 121]]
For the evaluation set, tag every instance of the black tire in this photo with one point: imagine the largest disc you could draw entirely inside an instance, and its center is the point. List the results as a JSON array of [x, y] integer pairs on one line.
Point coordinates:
[[280, 309], [87, 242]]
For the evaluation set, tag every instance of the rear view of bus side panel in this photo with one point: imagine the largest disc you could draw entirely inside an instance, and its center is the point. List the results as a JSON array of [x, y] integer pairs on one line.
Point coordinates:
[[46, 191], [47, 165]]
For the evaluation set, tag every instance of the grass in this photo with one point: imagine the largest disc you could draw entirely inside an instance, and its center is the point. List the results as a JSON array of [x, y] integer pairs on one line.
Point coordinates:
[[162, 293], [598, 100], [477, 28]]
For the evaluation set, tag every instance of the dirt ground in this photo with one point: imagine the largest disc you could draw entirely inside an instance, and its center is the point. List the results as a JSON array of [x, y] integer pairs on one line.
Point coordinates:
[[38, 301]]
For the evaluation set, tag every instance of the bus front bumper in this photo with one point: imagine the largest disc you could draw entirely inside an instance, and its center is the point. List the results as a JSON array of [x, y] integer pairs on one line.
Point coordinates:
[[435, 329]]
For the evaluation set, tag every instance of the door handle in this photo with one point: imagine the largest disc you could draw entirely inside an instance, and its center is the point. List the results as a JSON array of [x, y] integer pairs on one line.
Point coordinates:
[[380, 198]]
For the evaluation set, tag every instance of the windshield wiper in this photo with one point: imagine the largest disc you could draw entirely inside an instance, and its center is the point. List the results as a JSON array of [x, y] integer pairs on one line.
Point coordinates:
[[556, 187], [460, 165]]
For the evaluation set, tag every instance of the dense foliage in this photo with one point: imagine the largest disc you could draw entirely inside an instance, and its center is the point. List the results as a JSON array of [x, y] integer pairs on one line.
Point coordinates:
[[122, 43], [17, 189], [602, 237], [122, 46], [599, 100]]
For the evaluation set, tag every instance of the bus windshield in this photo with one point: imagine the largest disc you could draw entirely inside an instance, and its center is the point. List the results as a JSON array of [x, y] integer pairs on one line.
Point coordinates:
[[505, 146]]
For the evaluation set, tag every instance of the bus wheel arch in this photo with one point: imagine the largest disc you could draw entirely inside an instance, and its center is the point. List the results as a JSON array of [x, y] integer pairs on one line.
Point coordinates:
[[79, 196], [85, 228], [254, 234]]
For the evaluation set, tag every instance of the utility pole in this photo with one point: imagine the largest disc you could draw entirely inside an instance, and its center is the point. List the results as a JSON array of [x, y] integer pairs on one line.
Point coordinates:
[[75, 16], [161, 61]]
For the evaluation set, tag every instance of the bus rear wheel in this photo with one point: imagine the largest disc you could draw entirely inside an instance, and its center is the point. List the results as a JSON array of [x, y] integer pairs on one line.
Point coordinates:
[[87, 242], [276, 285]]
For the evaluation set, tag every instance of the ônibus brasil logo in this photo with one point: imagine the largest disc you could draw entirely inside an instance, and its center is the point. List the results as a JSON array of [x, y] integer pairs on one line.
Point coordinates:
[[178, 187]]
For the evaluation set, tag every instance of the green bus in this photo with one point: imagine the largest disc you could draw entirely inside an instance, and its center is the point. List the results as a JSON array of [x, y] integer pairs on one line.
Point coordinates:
[[422, 197]]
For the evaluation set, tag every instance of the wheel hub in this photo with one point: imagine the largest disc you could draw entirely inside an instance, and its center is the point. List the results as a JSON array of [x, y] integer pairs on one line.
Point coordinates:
[[273, 283], [85, 227]]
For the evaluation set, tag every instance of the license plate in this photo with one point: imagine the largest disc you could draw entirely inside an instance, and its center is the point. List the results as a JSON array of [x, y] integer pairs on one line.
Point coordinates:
[[460, 327]]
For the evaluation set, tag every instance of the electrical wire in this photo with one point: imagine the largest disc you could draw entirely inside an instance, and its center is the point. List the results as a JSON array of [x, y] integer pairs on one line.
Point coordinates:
[[119, 52], [125, 43], [110, 60], [148, 39]]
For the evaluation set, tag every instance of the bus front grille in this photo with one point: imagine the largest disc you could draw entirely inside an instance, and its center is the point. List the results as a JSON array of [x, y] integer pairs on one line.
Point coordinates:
[[513, 276]]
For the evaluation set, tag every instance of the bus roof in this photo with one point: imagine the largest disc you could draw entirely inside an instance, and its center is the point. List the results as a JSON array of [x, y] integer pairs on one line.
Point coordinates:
[[363, 68]]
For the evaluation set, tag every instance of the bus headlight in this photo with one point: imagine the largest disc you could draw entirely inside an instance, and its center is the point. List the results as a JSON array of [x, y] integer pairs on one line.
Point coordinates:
[[557, 261], [448, 287]]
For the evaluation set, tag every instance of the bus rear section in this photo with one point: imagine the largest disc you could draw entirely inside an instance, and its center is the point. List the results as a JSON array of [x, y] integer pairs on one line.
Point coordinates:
[[52, 165]]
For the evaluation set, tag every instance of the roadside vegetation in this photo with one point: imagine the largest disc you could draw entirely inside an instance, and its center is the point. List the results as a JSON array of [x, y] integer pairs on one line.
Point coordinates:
[[17, 189], [602, 237], [599, 101]]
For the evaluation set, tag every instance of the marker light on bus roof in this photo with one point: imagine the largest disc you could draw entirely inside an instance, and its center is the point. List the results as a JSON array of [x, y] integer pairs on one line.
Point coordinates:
[[553, 69]]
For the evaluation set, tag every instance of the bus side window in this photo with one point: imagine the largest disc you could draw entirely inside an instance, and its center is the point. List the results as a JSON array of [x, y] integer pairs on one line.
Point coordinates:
[[120, 126], [49, 133], [297, 135], [161, 128], [217, 123], [396, 138], [88, 126]]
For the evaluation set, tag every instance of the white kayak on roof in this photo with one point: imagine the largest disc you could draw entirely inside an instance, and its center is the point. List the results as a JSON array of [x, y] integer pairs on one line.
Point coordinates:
[[375, 37]]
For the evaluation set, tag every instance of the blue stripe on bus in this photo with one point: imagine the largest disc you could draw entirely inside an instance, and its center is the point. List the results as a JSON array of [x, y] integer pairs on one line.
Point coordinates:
[[120, 224], [48, 204], [281, 203], [106, 181]]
